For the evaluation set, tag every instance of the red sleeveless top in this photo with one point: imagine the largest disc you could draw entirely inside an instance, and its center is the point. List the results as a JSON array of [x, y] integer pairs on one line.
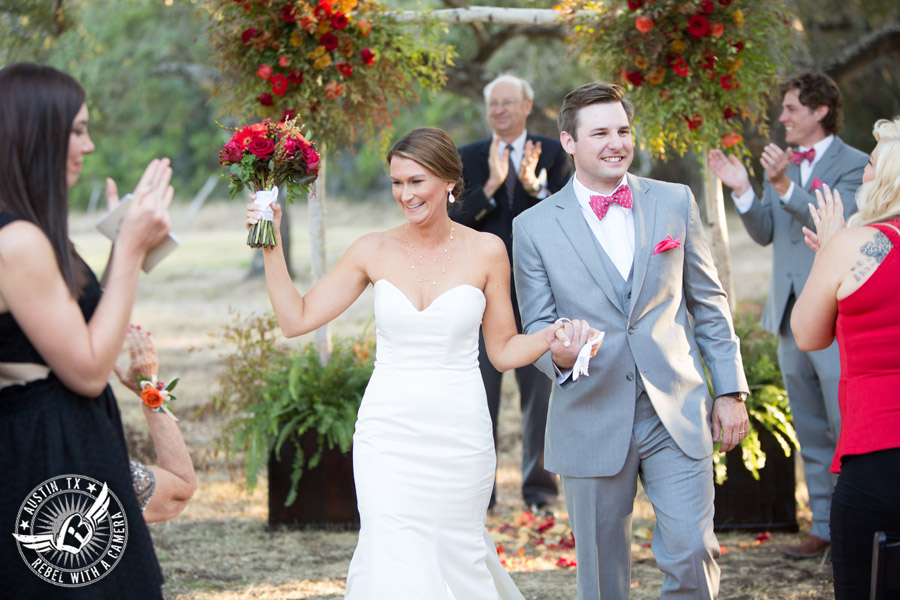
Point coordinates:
[[868, 336]]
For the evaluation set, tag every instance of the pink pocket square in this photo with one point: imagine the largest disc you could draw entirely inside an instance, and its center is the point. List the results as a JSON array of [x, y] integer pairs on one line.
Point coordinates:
[[667, 244], [816, 184]]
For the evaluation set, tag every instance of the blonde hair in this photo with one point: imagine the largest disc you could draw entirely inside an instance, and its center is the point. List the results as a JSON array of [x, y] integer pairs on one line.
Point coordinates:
[[879, 200]]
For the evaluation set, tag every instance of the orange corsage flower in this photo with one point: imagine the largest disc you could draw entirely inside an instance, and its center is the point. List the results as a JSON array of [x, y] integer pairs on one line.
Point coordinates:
[[151, 397]]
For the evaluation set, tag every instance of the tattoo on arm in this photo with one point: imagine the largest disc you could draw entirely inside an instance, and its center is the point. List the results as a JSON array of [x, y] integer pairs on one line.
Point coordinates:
[[875, 252]]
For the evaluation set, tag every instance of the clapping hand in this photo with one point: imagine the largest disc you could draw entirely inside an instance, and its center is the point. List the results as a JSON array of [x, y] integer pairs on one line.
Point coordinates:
[[147, 221], [828, 218], [730, 170], [528, 168]]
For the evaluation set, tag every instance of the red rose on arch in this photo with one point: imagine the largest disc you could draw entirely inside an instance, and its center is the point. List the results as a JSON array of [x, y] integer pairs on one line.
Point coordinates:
[[706, 7], [729, 112], [728, 82], [680, 67], [262, 147], [339, 21], [248, 35], [643, 24], [295, 77], [322, 11], [738, 46], [635, 4], [264, 72], [725, 2], [694, 122], [288, 115], [345, 69], [709, 62], [265, 99], [288, 14], [330, 41], [279, 84], [367, 56], [698, 26], [635, 78]]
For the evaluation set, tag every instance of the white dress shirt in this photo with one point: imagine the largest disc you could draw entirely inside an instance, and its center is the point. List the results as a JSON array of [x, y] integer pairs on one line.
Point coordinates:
[[743, 202], [615, 232]]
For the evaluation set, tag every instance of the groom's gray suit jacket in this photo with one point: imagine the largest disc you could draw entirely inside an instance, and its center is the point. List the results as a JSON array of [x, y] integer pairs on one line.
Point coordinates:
[[560, 272]]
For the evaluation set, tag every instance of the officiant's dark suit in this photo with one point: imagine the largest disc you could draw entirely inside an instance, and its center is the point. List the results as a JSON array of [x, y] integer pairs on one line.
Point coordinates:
[[490, 207]]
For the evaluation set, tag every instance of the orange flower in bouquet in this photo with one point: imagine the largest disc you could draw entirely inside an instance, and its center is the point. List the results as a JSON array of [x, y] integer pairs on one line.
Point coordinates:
[[263, 156]]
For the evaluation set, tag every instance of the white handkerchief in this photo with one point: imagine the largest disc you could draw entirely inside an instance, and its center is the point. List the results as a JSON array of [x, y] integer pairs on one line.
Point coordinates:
[[263, 203], [584, 355]]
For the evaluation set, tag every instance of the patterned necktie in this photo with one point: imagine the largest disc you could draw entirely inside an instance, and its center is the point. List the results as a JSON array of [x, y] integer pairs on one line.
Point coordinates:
[[622, 197], [509, 184], [799, 156]]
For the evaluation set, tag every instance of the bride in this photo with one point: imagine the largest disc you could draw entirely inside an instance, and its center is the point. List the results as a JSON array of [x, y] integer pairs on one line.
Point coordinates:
[[423, 450]]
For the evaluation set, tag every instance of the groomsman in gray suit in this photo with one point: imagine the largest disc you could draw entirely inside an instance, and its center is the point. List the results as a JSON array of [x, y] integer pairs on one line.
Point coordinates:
[[811, 116], [629, 256]]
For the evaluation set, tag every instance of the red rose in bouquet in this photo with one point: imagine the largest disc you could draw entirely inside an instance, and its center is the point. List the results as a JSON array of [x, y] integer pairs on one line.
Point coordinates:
[[263, 156]]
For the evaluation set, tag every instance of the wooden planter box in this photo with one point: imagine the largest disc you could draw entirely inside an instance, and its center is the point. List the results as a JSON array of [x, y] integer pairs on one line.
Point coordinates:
[[326, 495], [743, 503]]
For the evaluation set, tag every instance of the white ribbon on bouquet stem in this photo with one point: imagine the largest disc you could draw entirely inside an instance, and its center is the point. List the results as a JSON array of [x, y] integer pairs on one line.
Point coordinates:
[[263, 200]]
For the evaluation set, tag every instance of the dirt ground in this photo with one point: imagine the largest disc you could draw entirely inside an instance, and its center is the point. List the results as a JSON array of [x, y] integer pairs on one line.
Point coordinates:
[[220, 547]]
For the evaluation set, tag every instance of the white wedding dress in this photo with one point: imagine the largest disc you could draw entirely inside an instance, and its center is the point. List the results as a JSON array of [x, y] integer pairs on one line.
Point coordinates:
[[423, 457]]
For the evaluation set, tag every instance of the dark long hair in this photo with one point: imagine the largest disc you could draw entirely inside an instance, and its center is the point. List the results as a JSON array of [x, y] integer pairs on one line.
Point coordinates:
[[37, 107]]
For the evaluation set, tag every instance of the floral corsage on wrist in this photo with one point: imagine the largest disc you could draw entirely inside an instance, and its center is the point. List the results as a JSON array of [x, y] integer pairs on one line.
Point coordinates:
[[157, 395]]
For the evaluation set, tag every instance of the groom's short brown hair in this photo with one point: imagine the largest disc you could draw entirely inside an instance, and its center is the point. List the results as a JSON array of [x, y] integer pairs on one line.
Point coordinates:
[[596, 92]]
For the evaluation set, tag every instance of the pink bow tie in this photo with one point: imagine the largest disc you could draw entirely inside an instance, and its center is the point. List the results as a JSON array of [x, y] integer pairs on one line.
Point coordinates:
[[800, 155], [622, 197]]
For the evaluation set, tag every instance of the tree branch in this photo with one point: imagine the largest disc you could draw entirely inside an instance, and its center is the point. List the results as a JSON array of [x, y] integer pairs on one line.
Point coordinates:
[[855, 57]]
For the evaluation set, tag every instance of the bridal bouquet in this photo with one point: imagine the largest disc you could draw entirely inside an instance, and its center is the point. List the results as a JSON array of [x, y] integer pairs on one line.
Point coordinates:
[[263, 156]]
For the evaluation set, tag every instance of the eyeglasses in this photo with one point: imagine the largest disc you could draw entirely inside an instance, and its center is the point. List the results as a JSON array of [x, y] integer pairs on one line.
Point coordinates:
[[505, 104]]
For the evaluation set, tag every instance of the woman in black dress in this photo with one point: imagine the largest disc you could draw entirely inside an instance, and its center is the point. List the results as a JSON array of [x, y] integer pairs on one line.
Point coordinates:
[[70, 523]]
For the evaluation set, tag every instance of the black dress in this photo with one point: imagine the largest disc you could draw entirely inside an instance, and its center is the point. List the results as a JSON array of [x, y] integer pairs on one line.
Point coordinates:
[[65, 486]]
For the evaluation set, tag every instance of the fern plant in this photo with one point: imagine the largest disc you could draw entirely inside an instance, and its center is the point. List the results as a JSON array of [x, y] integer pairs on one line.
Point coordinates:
[[277, 397], [767, 405]]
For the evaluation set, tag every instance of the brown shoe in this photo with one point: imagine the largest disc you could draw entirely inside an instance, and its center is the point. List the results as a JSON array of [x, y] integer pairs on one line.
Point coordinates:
[[812, 547]]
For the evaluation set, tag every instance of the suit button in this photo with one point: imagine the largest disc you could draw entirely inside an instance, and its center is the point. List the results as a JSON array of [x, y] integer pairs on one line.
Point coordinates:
[[630, 330], [630, 377]]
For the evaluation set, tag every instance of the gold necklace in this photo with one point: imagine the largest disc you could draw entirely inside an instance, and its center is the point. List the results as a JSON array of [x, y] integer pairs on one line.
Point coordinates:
[[410, 248]]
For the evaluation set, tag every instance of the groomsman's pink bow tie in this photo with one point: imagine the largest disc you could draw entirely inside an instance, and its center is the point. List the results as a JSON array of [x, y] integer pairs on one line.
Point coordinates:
[[800, 155], [622, 197]]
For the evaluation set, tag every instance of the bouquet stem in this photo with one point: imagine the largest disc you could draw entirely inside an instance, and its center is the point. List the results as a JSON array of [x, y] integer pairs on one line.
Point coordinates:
[[262, 235]]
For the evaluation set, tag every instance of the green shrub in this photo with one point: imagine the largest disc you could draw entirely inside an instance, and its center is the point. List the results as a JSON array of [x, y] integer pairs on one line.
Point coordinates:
[[767, 404], [274, 397]]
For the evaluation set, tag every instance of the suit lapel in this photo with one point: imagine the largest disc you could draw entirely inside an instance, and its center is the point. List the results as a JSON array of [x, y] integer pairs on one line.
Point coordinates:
[[585, 245], [828, 162], [644, 210]]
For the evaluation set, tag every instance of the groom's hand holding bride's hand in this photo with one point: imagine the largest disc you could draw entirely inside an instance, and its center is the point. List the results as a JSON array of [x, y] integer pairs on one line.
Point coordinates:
[[568, 340]]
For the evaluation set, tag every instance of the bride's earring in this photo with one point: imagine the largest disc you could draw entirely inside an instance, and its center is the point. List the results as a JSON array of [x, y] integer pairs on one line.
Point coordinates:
[[450, 197]]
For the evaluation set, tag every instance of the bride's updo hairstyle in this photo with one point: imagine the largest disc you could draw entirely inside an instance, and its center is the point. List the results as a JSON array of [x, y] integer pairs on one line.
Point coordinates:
[[435, 151]]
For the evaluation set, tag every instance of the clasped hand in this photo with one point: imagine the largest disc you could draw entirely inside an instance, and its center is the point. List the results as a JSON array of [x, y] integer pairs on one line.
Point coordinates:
[[567, 338]]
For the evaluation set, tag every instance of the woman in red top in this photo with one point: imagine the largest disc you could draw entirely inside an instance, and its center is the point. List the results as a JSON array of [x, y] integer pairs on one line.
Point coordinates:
[[852, 294]]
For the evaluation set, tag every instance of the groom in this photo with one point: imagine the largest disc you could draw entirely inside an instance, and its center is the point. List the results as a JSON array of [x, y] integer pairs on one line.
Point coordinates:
[[629, 256]]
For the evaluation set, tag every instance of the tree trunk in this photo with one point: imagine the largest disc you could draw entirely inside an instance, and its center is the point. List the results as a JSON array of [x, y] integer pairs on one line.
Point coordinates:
[[317, 214], [718, 229]]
